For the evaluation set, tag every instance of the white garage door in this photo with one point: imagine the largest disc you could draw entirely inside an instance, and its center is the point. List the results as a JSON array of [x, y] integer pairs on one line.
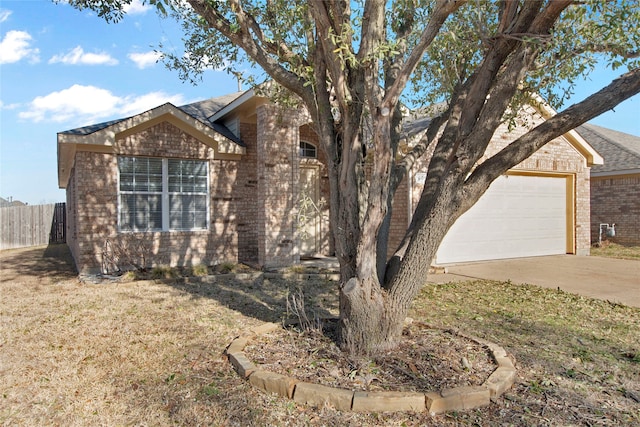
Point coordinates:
[[518, 216]]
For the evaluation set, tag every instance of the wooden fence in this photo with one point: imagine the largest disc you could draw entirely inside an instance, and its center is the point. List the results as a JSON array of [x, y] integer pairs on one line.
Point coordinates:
[[22, 226]]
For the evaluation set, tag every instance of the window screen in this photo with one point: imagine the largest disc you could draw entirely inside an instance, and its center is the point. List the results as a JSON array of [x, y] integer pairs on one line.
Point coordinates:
[[162, 194], [187, 194]]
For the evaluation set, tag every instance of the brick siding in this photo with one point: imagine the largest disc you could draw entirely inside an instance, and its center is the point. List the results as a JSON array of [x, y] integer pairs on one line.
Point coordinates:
[[92, 194], [254, 200], [616, 199]]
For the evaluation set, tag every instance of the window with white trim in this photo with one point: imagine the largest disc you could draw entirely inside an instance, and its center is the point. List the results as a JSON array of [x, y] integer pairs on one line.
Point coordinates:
[[308, 150], [162, 194]]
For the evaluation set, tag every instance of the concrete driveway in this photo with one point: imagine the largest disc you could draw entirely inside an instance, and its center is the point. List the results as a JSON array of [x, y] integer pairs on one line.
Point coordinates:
[[609, 279]]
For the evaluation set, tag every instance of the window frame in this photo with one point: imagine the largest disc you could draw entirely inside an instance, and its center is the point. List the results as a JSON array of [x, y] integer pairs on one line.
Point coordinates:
[[165, 197], [305, 147]]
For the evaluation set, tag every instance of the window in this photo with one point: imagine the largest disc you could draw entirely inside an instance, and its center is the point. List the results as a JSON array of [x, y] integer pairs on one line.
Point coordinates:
[[308, 150], [163, 194]]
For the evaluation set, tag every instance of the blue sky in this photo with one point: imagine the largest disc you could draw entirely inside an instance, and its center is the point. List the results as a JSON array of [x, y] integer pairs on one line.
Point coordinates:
[[61, 69]]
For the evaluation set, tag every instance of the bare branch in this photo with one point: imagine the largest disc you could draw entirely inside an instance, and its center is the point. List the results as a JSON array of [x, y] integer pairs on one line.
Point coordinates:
[[324, 25]]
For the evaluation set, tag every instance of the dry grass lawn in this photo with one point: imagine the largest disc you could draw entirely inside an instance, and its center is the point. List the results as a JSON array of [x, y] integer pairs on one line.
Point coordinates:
[[147, 353], [614, 250]]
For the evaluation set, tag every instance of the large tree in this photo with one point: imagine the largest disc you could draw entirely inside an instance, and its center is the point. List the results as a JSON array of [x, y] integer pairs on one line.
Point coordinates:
[[352, 62]]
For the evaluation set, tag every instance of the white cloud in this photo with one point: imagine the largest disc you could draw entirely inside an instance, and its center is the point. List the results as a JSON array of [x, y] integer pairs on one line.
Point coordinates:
[[4, 14], [90, 104], [4, 106], [77, 56], [146, 59], [15, 46], [136, 7], [137, 104]]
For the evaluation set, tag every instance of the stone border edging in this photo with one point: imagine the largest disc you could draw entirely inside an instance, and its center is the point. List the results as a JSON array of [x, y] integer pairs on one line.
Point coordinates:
[[437, 402]]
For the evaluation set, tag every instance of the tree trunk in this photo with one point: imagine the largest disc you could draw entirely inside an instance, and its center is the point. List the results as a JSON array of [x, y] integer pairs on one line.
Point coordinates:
[[372, 313], [368, 322]]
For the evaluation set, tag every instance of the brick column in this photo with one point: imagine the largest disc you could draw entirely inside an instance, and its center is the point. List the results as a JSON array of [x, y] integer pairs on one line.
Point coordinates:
[[278, 167]]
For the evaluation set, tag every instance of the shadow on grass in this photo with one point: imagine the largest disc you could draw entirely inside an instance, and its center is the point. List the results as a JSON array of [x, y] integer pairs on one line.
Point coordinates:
[[52, 262], [254, 296], [578, 358], [263, 298]]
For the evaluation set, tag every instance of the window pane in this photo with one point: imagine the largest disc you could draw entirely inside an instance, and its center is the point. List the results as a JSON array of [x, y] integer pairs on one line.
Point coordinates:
[[155, 166], [200, 184], [174, 167], [140, 166], [187, 176], [155, 183], [142, 189], [307, 150], [125, 164], [127, 208], [200, 220], [174, 184], [126, 181], [140, 212], [187, 212], [154, 212]]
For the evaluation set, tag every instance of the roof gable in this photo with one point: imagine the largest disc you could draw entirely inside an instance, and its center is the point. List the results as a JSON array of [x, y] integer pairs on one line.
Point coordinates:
[[419, 123], [192, 119]]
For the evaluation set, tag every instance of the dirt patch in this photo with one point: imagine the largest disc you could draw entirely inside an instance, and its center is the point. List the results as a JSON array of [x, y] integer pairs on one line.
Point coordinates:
[[427, 359]]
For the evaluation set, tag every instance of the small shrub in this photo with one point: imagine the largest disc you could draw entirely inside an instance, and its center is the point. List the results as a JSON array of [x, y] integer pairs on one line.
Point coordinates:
[[164, 272], [226, 267], [199, 270], [296, 306], [130, 276], [126, 251]]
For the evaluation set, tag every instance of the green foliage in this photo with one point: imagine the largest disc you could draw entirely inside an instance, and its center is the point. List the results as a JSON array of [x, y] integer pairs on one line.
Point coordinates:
[[587, 32]]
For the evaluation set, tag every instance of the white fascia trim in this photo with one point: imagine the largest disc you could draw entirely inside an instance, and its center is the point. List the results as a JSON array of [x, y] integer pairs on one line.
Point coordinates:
[[104, 139], [245, 97], [574, 138]]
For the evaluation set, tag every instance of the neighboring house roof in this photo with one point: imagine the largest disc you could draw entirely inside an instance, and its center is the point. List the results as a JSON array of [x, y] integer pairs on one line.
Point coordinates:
[[621, 151], [196, 119]]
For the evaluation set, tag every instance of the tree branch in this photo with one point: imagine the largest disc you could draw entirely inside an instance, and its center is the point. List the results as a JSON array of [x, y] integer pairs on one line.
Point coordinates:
[[335, 66], [443, 9], [519, 150], [242, 38]]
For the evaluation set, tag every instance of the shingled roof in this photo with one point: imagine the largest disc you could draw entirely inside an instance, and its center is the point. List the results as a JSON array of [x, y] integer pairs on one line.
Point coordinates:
[[201, 110], [621, 151]]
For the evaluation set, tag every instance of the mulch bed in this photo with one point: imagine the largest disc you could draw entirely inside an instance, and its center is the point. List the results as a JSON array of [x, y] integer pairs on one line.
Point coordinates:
[[427, 359]]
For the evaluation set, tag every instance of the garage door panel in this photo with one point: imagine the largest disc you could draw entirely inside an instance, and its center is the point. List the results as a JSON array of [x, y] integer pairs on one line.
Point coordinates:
[[518, 216]]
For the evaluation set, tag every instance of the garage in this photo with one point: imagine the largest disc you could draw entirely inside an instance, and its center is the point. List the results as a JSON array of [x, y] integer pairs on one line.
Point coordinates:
[[518, 216]]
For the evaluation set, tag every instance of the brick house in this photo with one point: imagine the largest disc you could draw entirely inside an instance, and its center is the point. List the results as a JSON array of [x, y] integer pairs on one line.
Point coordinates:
[[238, 179], [615, 185]]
